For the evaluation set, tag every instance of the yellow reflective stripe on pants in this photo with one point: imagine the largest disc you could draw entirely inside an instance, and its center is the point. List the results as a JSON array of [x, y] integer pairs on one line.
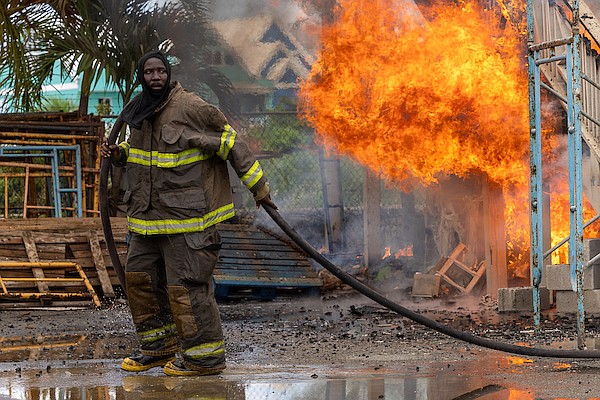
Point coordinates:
[[205, 350], [156, 334], [174, 226]]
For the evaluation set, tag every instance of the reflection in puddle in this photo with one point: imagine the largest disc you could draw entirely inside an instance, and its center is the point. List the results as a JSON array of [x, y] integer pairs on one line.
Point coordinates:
[[86, 367], [71, 346], [28, 347], [97, 381]]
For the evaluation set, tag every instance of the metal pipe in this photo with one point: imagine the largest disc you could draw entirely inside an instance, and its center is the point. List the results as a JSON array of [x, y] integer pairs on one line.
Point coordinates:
[[565, 240], [564, 99], [549, 60], [544, 45], [535, 164]]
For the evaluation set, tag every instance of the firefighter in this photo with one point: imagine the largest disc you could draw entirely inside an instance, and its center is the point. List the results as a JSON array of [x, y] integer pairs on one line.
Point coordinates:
[[178, 191]]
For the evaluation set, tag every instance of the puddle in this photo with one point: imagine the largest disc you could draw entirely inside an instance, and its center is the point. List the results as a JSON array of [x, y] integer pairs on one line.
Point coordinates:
[[63, 347], [86, 367], [104, 381]]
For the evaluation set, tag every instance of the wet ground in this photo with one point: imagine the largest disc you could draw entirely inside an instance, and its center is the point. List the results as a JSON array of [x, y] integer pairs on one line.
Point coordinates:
[[295, 347]]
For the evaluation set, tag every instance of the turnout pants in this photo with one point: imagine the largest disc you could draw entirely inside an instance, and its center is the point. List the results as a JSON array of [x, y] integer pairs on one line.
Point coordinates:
[[171, 296]]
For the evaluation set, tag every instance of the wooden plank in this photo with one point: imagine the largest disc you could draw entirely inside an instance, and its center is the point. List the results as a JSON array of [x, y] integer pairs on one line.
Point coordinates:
[[11, 283], [263, 262], [33, 257], [250, 246], [251, 236], [253, 281], [15, 239], [11, 304], [107, 288], [266, 255], [60, 224], [13, 253], [264, 273], [495, 239]]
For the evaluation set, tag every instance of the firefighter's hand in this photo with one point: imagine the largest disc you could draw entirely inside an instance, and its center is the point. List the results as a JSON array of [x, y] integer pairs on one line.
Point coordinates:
[[266, 200], [107, 150]]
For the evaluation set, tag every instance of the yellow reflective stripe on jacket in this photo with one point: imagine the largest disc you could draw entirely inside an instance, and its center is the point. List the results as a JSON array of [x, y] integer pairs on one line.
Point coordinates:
[[156, 334], [167, 160], [227, 142], [253, 175], [173, 226], [125, 146], [141, 157], [205, 350]]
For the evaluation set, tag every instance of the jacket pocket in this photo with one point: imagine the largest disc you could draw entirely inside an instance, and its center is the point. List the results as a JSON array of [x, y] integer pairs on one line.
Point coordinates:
[[203, 240], [171, 133], [191, 198]]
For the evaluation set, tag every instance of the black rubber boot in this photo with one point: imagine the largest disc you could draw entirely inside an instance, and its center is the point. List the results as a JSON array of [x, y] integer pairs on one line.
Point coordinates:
[[139, 362]]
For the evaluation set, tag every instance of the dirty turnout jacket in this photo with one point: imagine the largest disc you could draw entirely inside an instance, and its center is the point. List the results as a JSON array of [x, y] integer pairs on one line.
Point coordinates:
[[176, 168]]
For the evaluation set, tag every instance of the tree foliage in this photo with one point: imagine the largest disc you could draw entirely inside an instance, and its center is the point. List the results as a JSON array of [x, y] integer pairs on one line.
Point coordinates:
[[91, 37]]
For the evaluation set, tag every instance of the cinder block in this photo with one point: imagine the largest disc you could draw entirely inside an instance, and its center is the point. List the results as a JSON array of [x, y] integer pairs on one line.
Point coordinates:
[[558, 277], [521, 299], [591, 248], [566, 302], [426, 285]]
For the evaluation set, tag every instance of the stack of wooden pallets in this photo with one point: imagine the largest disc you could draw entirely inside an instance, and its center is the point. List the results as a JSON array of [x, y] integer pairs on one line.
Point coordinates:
[[49, 261], [65, 260]]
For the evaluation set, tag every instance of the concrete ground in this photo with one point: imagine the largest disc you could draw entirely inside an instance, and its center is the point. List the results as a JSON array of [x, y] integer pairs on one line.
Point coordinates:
[[343, 346]]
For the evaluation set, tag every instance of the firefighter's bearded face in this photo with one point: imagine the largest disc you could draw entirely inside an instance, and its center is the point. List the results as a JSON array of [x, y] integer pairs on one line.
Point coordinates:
[[155, 74]]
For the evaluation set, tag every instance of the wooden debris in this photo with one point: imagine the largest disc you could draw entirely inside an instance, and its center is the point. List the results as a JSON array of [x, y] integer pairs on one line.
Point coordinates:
[[459, 275], [76, 240], [452, 271], [63, 287]]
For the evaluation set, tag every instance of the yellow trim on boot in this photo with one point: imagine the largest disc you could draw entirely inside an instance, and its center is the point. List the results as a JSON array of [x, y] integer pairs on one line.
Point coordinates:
[[173, 370], [133, 366]]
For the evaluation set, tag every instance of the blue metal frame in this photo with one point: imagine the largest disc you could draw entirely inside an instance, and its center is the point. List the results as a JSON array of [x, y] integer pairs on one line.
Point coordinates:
[[573, 69], [52, 152]]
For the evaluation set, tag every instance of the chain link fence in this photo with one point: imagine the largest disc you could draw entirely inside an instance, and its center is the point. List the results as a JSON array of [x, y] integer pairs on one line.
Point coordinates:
[[293, 164], [292, 161]]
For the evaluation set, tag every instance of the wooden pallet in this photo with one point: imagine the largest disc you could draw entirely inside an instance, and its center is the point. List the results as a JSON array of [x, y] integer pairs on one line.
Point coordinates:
[[249, 260], [254, 259], [76, 240], [45, 282]]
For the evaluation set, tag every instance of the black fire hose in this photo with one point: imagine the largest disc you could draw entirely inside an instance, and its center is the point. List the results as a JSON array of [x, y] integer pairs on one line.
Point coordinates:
[[405, 312], [104, 209], [343, 276]]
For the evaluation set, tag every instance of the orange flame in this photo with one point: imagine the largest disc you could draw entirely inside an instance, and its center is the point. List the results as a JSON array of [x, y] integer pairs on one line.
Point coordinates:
[[514, 360], [387, 253], [417, 102], [405, 252], [419, 99]]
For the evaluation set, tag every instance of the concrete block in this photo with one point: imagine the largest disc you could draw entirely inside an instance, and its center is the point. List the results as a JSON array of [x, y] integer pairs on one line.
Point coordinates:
[[566, 302], [426, 285], [521, 299], [591, 248], [558, 277]]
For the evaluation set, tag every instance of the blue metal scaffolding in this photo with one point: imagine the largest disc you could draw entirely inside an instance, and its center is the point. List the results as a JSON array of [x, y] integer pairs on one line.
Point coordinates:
[[53, 154], [550, 52]]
